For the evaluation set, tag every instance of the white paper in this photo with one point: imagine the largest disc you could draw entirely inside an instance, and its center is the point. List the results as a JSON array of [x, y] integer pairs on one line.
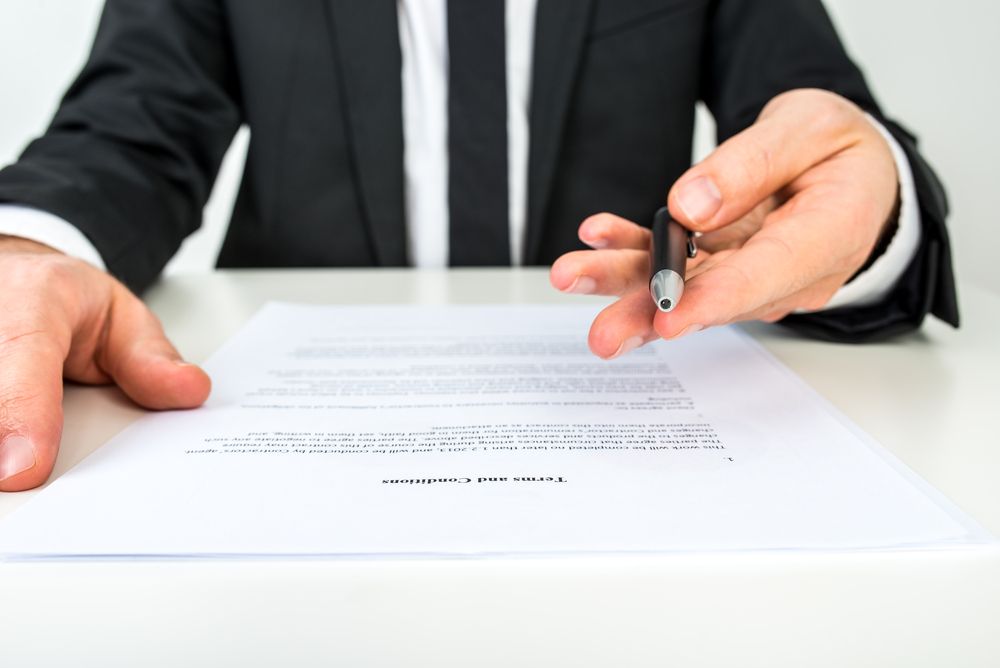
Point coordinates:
[[491, 430]]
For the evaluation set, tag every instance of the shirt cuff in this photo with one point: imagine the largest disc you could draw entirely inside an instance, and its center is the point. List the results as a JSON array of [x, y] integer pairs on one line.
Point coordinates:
[[873, 284], [53, 231]]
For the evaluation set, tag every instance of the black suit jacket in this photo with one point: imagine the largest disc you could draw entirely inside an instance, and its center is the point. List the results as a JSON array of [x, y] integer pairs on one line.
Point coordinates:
[[136, 144]]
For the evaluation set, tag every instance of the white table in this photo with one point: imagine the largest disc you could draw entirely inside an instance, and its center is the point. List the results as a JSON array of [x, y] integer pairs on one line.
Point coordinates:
[[932, 398]]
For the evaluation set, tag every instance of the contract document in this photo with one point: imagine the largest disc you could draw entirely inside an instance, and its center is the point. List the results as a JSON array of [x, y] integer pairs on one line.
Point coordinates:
[[486, 430]]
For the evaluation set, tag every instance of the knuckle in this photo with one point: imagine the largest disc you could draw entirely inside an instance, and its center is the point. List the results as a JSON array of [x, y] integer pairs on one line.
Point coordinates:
[[779, 248], [29, 324], [39, 294], [16, 326], [36, 277], [756, 162], [834, 115], [27, 337], [817, 301], [33, 265], [14, 403], [739, 287]]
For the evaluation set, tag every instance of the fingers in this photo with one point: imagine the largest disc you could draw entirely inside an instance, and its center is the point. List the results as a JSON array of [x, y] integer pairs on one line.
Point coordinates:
[[771, 272], [608, 272], [619, 268], [606, 230], [809, 186], [735, 234], [623, 326], [140, 359], [634, 321], [795, 131], [788, 210]]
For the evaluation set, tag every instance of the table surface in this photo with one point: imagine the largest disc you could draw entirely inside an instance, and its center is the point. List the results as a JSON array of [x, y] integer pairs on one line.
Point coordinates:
[[930, 397]]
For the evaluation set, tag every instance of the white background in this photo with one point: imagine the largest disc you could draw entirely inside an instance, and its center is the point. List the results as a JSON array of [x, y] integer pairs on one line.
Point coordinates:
[[933, 65]]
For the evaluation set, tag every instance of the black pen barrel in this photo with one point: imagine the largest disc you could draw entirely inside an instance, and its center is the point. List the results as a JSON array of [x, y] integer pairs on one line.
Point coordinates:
[[669, 250]]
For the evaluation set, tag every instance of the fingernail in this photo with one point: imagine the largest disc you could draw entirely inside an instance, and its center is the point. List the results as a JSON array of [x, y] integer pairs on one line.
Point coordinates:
[[599, 242], [583, 285], [627, 346], [16, 456], [183, 363], [690, 329], [699, 199]]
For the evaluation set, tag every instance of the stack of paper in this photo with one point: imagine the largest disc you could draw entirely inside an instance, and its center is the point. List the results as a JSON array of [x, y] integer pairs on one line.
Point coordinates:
[[347, 431]]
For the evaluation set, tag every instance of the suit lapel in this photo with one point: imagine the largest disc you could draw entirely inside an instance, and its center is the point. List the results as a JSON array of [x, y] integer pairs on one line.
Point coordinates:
[[366, 41], [560, 31]]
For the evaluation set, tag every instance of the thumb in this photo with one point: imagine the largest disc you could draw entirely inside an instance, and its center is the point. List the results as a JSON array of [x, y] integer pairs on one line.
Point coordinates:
[[140, 359], [794, 132], [30, 406]]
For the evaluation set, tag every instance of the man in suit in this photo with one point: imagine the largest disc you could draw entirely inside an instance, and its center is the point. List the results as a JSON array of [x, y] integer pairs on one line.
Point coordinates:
[[387, 134]]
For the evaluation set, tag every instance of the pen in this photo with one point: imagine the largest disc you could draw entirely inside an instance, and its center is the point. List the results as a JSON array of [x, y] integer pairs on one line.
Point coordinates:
[[669, 250]]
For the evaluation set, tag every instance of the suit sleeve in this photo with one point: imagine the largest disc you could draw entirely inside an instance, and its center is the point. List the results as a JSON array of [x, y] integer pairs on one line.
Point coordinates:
[[758, 50], [137, 142]]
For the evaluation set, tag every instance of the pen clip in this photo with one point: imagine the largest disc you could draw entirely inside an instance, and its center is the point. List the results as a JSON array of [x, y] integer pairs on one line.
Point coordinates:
[[692, 249]]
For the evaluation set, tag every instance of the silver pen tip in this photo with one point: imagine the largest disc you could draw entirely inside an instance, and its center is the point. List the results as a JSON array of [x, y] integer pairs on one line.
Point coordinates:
[[666, 288]]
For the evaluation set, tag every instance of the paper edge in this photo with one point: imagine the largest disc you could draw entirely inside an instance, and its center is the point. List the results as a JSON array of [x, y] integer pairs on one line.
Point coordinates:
[[977, 538], [977, 533]]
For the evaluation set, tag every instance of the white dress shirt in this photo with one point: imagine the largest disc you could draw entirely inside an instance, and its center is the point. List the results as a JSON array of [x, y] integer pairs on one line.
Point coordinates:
[[423, 40]]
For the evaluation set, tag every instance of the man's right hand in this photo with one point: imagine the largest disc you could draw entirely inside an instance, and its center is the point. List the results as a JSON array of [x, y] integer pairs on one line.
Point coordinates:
[[63, 318]]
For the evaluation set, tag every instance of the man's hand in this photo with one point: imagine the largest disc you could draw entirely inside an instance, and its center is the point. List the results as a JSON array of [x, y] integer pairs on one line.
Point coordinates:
[[789, 209], [62, 318]]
